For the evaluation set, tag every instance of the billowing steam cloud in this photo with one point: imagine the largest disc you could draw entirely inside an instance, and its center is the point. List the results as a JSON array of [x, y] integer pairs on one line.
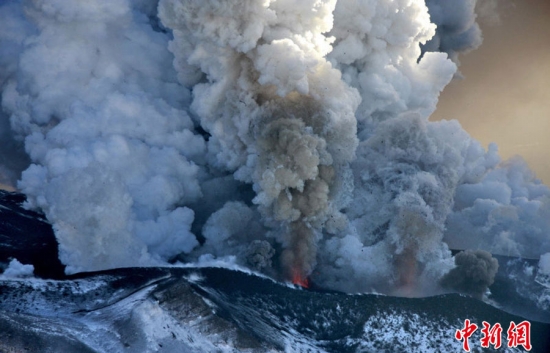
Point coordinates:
[[291, 136], [457, 29], [103, 119], [506, 213], [278, 113]]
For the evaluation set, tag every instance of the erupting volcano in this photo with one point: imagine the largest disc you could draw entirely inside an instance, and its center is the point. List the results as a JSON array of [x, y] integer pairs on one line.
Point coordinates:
[[299, 279], [288, 136]]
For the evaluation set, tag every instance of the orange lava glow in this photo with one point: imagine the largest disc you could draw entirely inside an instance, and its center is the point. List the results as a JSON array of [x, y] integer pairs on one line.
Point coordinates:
[[300, 280], [407, 268]]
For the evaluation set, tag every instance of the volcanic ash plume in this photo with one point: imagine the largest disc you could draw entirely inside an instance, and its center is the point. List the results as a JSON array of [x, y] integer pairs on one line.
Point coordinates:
[[279, 115], [457, 30], [474, 272], [92, 93], [291, 136]]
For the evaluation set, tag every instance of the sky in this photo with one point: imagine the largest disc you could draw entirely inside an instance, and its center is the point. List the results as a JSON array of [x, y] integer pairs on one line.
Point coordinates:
[[504, 95]]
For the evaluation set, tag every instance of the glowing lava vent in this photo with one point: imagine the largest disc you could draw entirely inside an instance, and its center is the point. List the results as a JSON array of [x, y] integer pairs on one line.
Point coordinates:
[[299, 279]]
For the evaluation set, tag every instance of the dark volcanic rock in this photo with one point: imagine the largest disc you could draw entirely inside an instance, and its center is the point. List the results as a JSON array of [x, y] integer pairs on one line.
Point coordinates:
[[216, 309], [26, 333], [28, 237]]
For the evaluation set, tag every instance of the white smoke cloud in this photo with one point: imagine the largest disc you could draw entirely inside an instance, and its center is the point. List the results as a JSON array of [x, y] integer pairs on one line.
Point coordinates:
[[103, 121], [13, 32], [287, 135], [505, 213], [544, 264], [377, 49], [16, 269], [231, 229], [406, 175]]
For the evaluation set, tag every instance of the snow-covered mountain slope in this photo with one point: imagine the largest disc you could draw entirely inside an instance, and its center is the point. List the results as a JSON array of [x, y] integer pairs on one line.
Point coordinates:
[[222, 310], [197, 309]]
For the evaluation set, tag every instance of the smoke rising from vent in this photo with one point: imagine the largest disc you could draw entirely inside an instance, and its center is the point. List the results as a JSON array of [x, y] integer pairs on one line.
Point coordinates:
[[474, 272], [291, 136], [279, 115]]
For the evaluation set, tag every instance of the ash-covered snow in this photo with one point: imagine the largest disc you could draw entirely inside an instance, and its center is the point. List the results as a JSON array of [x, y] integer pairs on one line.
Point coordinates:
[[161, 310]]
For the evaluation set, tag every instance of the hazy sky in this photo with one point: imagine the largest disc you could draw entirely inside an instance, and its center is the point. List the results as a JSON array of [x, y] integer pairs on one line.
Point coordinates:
[[505, 95]]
